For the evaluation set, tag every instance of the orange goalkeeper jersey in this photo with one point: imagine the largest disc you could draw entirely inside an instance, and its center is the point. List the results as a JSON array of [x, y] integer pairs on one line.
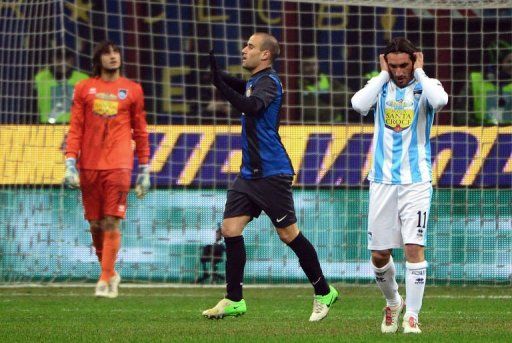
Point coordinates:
[[105, 117]]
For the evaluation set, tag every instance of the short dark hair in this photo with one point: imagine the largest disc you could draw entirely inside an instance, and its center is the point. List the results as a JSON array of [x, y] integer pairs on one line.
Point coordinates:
[[270, 43], [401, 44], [100, 49]]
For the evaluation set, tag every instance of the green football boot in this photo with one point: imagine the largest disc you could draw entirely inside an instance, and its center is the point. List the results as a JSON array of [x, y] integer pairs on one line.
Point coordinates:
[[225, 308], [322, 304]]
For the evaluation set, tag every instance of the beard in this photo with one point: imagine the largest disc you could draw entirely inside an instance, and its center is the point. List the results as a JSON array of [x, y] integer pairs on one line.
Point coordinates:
[[111, 70], [401, 81]]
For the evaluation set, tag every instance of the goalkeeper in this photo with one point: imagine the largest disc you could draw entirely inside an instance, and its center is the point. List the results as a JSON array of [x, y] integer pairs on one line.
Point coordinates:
[[106, 114], [265, 179]]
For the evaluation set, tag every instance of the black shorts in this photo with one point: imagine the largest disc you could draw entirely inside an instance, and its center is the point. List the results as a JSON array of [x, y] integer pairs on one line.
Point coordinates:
[[272, 194]]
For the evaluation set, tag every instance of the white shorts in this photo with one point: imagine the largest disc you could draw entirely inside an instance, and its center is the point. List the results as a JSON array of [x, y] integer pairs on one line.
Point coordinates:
[[398, 215]]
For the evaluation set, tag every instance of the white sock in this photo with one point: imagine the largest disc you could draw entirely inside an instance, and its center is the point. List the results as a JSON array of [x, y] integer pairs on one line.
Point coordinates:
[[415, 280], [385, 277]]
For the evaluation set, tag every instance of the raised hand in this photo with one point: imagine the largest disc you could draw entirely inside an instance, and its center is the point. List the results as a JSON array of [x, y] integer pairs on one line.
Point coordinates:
[[383, 63], [419, 60]]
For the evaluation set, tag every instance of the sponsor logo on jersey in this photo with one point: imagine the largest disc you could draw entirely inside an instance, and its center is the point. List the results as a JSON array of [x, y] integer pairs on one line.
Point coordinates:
[[122, 94], [105, 105], [398, 114], [106, 96], [92, 90]]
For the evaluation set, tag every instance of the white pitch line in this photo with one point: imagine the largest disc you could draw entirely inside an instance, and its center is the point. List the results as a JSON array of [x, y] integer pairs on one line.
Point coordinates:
[[195, 295], [163, 286]]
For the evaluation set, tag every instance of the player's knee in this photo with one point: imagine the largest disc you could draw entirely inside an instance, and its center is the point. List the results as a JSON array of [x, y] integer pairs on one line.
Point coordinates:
[[288, 234], [94, 226], [380, 257], [414, 253], [110, 223], [284, 237], [234, 227], [228, 231]]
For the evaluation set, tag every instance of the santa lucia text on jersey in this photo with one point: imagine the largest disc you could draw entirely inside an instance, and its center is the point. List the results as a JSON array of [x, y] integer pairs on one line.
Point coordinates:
[[401, 140]]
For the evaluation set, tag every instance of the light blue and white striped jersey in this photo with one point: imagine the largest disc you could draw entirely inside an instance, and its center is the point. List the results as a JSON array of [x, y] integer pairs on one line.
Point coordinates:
[[403, 120]]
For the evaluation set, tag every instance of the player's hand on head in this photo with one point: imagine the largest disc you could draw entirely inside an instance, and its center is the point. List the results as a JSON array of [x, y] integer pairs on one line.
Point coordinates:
[[418, 63], [143, 182], [383, 63], [71, 177]]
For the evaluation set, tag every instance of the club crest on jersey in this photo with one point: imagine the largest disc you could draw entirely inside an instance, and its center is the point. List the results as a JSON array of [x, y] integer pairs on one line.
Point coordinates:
[[92, 90], [398, 115], [122, 94], [248, 92], [417, 94]]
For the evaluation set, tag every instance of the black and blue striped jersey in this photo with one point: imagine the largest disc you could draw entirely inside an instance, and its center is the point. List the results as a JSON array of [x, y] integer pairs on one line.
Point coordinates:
[[259, 99], [263, 153]]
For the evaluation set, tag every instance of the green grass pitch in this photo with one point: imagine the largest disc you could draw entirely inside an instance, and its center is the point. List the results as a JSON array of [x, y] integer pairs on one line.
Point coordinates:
[[72, 314]]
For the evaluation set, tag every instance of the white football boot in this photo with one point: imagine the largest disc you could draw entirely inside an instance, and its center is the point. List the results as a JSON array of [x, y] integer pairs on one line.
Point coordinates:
[[390, 320], [411, 325]]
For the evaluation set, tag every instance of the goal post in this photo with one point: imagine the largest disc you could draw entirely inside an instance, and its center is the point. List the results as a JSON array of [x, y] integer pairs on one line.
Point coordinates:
[[329, 49]]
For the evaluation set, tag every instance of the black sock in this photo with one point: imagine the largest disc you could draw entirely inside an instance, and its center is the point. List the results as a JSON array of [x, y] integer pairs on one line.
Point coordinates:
[[308, 260], [235, 263]]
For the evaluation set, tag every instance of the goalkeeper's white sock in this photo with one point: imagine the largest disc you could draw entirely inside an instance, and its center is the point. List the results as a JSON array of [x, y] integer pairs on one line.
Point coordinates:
[[415, 280], [385, 277]]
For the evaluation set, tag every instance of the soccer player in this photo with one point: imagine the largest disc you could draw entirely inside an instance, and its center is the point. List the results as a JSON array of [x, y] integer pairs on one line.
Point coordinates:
[[106, 114], [265, 179], [405, 101]]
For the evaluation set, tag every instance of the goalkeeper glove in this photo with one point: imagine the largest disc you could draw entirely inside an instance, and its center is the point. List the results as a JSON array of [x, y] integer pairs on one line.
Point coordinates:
[[143, 183], [71, 177]]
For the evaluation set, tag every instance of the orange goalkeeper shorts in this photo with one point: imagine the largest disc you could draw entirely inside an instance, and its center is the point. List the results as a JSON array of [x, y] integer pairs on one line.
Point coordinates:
[[104, 192]]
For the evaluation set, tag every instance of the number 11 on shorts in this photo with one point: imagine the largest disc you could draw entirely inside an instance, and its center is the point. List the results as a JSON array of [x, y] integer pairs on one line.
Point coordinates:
[[420, 219]]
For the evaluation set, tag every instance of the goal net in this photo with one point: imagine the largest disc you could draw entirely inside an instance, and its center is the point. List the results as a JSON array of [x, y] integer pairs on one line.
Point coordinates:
[[329, 49]]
